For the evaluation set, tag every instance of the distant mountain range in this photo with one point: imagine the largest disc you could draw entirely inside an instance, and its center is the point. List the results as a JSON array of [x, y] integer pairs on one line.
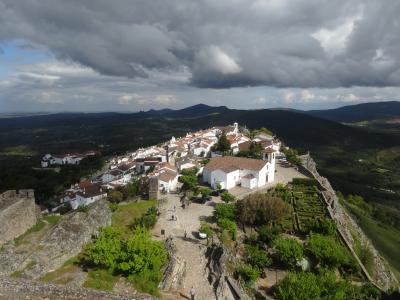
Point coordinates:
[[345, 114], [360, 112]]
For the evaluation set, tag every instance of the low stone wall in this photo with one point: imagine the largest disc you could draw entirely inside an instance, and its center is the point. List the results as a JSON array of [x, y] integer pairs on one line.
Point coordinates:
[[18, 289], [350, 231], [17, 213]]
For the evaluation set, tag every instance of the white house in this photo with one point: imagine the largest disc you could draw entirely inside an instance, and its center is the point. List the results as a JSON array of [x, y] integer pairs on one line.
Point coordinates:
[[87, 196], [167, 177], [229, 171], [168, 181], [112, 175]]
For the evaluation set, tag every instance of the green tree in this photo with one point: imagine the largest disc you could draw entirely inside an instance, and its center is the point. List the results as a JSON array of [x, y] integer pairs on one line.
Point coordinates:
[[247, 274], [267, 234], [141, 253], [324, 285], [205, 192], [222, 145], [105, 251], [257, 258], [300, 286], [261, 209], [206, 228], [225, 211], [115, 196], [292, 156], [289, 250], [230, 226], [227, 197], [189, 182]]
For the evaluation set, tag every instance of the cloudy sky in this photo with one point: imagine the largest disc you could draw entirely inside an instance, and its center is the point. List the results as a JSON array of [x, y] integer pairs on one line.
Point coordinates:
[[130, 55]]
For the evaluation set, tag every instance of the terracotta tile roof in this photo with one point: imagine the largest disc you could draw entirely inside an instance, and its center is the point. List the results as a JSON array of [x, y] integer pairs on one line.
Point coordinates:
[[231, 163], [167, 175]]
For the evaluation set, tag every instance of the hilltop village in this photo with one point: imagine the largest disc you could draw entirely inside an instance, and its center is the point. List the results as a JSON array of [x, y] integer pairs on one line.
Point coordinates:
[[165, 163], [221, 213]]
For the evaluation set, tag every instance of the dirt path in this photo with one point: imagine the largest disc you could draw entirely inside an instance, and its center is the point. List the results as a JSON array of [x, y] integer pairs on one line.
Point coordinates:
[[191, 249]]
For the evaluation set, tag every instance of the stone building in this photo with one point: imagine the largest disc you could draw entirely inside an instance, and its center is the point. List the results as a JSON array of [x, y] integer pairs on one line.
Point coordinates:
[[17, 213]]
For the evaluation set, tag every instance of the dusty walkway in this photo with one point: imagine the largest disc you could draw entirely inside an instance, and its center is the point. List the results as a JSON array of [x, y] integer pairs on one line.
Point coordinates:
[[191, 249]]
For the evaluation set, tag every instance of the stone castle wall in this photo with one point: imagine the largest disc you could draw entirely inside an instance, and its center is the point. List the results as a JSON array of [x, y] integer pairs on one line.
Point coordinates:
[[17, 213], [349, 229]]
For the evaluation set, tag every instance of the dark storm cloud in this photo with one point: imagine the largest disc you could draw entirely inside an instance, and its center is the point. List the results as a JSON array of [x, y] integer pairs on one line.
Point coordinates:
[[224, 43]]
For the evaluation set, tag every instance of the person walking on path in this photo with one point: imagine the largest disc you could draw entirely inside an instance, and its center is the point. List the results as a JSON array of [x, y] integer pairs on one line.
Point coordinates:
[[192, 293]]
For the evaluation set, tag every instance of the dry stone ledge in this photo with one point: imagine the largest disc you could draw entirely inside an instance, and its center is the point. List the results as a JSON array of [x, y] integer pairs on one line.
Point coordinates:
[[17, 213], [176, 269], [18, 289], [64, 241]]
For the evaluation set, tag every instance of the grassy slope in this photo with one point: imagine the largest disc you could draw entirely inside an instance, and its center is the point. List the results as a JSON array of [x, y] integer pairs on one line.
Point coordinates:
[[385, 238], [126, 214]]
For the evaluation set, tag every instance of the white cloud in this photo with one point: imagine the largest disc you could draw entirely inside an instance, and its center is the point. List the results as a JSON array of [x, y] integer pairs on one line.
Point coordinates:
[[348, 98], [288, 96], [333, 40], [307, 96], [214, 59]]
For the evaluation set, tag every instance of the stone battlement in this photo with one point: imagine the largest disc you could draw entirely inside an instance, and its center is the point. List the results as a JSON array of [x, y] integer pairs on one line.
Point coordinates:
[[17, 213]]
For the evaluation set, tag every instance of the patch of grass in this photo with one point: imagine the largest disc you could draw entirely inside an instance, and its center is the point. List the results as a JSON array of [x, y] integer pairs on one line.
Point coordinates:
[[30, 265], [21, 150], [146, 282], [385, 238], [40, 224], [57, 276], [52, 219], [100, 280], [125, 215]]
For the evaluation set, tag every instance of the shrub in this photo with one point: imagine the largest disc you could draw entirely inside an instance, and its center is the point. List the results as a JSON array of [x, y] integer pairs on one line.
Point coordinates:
[[259, 209], [267, 234], [205, 191], [247, 274], [328, 252], [289, 250], [257, 258], [305, 181], [148, 220], [227, 197], [113, 206], [206, 228], [230, 226], [325, 285], [225, 211], [115, 196], [134, 256]]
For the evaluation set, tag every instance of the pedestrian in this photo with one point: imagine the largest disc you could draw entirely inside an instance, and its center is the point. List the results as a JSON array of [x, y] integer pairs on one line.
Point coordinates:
[[174, 207], [185, 234], [192, 293]]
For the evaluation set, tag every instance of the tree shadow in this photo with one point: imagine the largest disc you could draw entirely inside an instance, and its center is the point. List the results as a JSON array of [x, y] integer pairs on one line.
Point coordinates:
[[208, 219]]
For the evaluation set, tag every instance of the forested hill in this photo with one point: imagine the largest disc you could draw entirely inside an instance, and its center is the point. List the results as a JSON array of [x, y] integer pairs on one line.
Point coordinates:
[[360, 112]]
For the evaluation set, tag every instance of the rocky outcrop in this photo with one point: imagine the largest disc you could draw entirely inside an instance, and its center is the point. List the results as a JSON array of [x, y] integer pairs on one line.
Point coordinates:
[[176, 269], [63, 241], [18, 289], [17, 213], [349, 230], [225, 287]]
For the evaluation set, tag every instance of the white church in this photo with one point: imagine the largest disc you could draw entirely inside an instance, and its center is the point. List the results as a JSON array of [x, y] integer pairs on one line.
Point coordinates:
[[227, 172]]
